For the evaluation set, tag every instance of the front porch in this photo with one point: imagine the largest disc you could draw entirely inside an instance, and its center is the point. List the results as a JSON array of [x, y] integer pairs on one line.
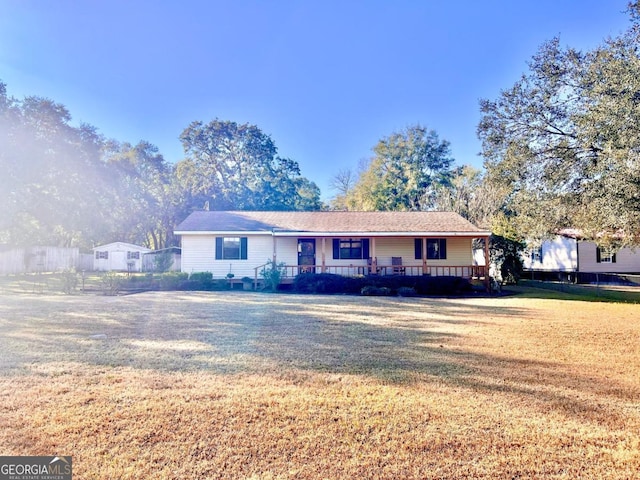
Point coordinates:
[[354, 256]]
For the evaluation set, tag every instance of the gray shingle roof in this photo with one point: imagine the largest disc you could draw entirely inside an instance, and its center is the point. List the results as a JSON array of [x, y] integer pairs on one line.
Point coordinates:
[[329, 222]]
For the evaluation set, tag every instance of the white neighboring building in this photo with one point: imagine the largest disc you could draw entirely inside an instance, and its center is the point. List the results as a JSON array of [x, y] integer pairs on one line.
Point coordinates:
[[119, 256], [559, 254], [568, 253], [149, 259]]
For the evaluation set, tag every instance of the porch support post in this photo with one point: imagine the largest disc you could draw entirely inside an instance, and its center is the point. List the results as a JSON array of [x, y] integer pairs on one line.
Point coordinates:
[[275, 254], [487, 282], [323, 257], [374, 257], [424, 256]]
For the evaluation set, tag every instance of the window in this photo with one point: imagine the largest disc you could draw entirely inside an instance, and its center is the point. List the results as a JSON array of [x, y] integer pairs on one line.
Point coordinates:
[[350, 249], [133, 255], [536, 254], [436, 248], [102, 255], [605, 255], [231, 248]]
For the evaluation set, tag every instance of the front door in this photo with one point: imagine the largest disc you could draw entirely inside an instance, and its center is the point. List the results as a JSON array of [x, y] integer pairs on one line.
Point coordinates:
[[307, 254]]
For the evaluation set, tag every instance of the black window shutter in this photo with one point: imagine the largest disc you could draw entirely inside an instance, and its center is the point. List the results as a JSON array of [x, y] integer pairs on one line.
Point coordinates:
[[613, 258], [365, 248], [336, 248], [218, 248], [598, 255], [443, 248], [243, 248], [418, 248]]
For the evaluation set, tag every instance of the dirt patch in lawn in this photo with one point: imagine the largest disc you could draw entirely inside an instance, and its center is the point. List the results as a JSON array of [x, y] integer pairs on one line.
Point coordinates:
[[246, 385]]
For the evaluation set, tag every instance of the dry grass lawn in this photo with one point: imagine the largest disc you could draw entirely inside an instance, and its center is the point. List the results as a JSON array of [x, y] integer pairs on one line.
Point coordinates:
[[168, 385]]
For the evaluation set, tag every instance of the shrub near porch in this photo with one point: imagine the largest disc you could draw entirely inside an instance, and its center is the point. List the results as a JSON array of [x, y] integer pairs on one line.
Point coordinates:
[[422, 285]]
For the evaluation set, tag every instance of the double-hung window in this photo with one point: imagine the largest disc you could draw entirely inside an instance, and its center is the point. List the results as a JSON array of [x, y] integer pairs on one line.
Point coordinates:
[[605, 255], [231, 248], [436, 248], [536, 254], [350, 249]]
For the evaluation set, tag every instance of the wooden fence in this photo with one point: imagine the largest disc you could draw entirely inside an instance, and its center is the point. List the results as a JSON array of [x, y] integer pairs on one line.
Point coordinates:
[[38, 259]]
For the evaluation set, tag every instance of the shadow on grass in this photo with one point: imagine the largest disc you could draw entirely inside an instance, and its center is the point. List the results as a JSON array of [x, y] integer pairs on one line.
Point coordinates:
[[569, 291], [236, 332], [392, 340]]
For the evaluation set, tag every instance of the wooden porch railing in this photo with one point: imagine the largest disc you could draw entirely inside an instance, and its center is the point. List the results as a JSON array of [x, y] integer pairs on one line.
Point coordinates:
[[465, 271]]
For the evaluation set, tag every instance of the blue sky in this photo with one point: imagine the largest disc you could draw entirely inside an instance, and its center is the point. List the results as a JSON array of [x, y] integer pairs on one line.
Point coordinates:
[[326, 79]]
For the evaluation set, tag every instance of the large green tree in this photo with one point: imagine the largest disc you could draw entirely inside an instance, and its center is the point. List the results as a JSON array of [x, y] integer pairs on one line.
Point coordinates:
[[236, 166], [66, 185], [144, 206], [342, 183], [52, 176], [404, 173], [469, 194], [565, 141]]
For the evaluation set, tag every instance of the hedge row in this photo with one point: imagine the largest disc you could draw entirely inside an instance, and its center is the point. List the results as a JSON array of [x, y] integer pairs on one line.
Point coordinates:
[[176, 281], [311, 283], [381, 285]]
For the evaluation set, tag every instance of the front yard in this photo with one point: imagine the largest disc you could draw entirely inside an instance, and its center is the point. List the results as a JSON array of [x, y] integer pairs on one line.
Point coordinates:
[[250, 385]]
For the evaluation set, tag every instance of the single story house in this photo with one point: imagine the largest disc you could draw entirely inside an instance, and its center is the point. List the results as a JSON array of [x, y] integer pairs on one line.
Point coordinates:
[[568, 255], [119, 256], [239, 244]]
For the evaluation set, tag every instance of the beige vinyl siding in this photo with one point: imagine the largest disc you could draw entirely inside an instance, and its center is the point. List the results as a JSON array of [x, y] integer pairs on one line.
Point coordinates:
[[388, 247], [459, 254], [199, 255], [259, 251], [458, 251], [627, 261], [287, 253], [287, 250], [328, 252]]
